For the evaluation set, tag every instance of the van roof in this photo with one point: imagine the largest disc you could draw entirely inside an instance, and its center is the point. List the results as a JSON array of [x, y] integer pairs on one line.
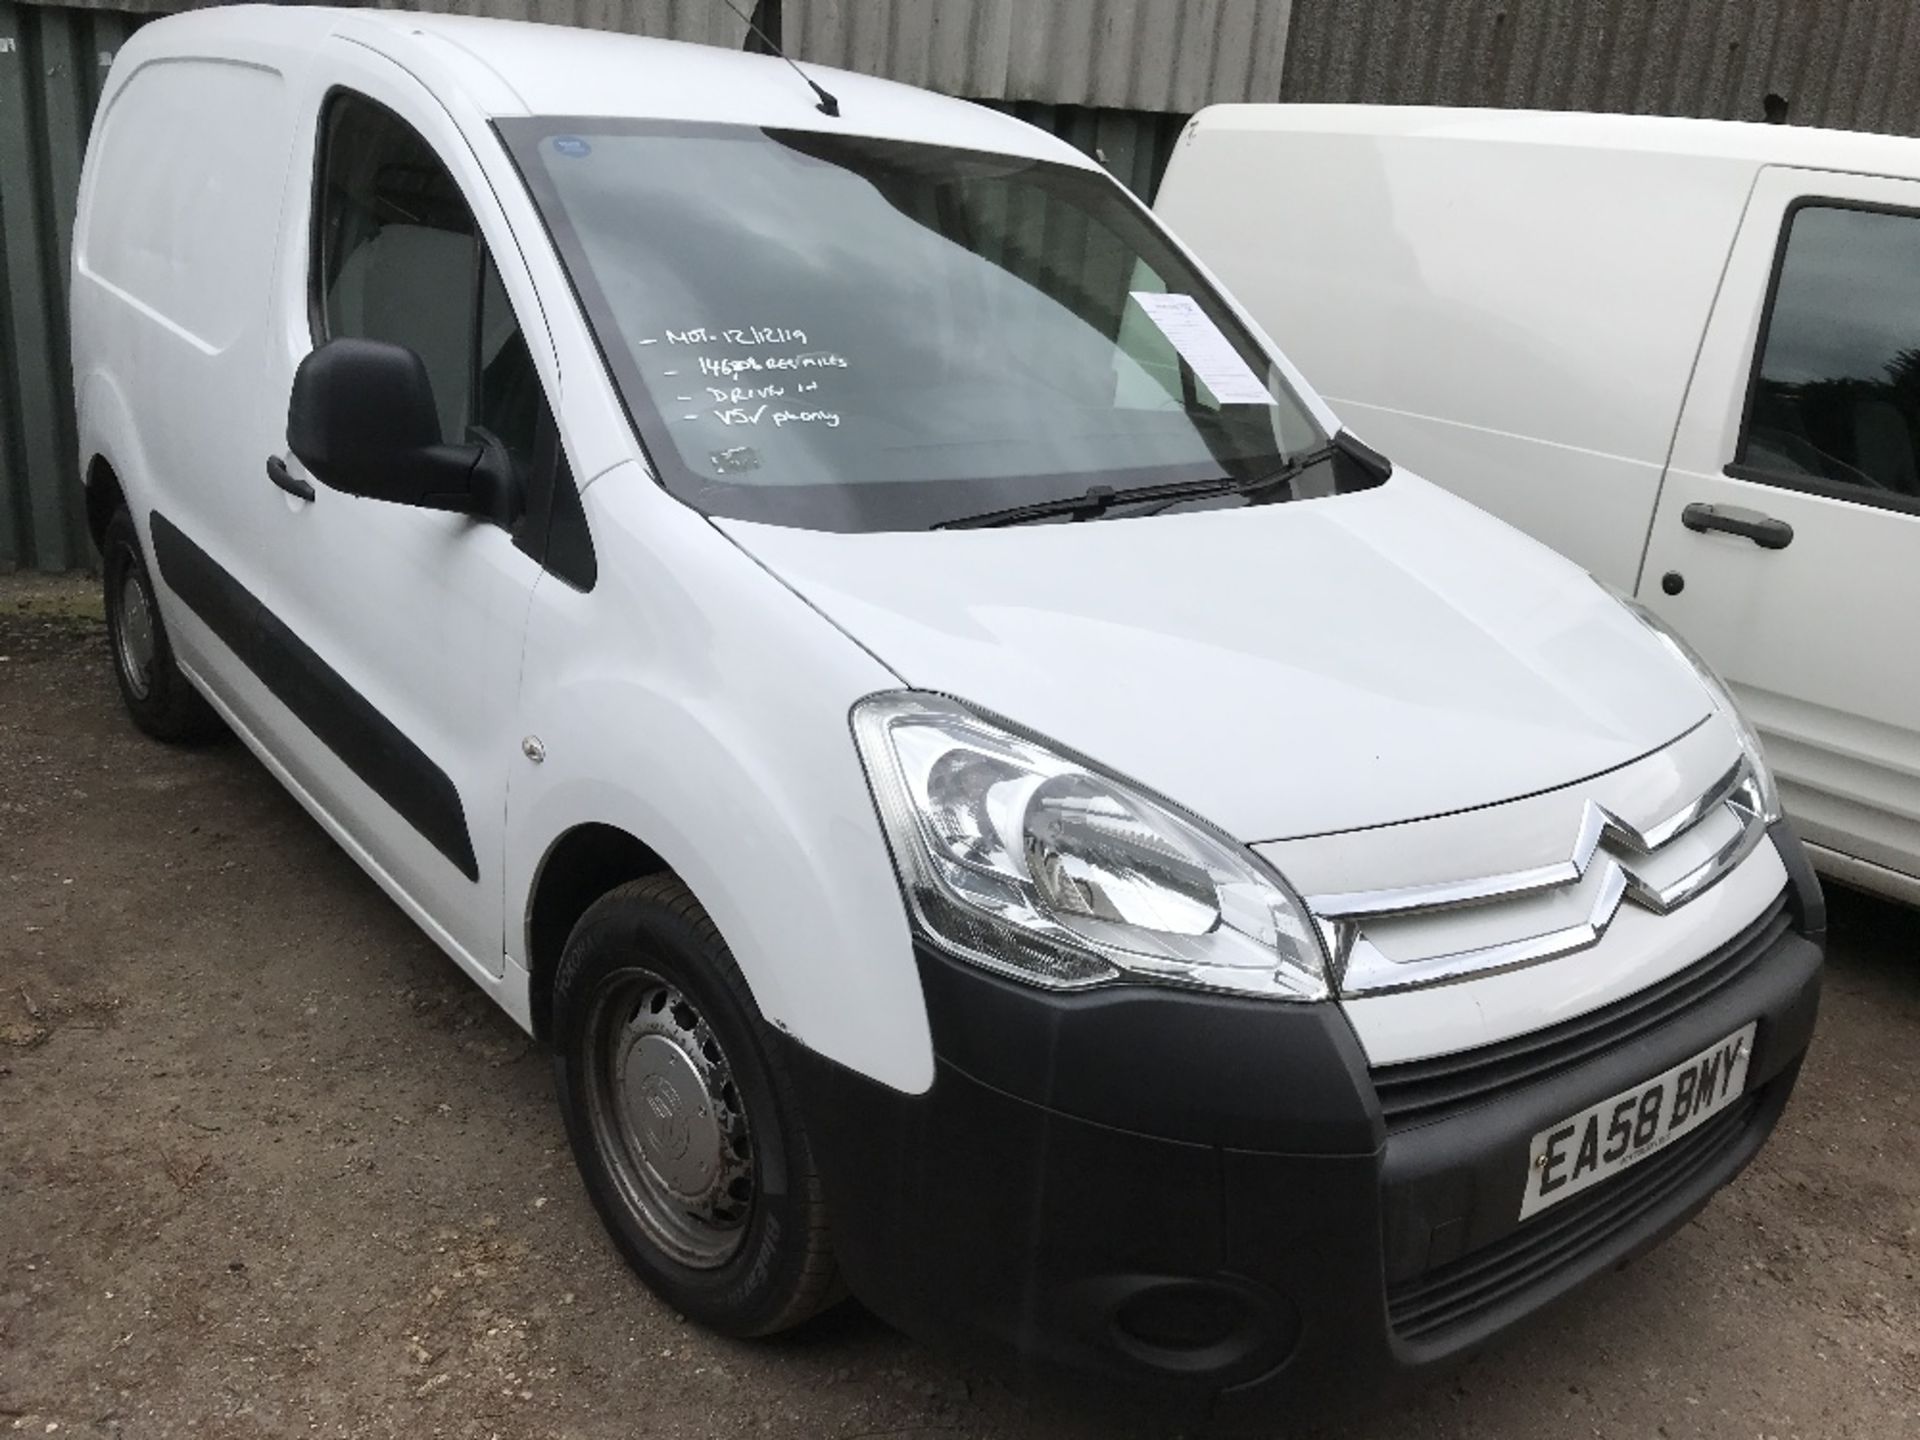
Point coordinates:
[[1742, 141], [512, 67]]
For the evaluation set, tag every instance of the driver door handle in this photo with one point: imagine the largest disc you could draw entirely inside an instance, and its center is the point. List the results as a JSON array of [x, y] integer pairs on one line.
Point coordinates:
[[278, 473], [1765, 531]]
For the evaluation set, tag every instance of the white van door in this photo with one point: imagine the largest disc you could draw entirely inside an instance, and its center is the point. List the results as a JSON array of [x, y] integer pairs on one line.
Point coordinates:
[[405, 624], [1786, 542]]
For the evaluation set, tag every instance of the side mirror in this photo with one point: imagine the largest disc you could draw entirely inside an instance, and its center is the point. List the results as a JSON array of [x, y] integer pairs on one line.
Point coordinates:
[[362, 419]]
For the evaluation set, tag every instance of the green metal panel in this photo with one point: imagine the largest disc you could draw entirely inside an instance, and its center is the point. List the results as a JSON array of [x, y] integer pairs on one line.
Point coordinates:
[[51, 64]]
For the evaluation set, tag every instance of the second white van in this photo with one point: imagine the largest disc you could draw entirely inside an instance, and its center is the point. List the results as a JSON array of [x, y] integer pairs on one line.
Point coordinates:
[[1684, 353]]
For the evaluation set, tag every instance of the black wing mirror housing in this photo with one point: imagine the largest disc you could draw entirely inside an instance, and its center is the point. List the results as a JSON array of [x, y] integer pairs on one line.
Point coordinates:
[[362, 419]]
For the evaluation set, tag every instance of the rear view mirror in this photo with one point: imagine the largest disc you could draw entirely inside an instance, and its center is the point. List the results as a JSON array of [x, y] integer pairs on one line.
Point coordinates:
[[362, 419]]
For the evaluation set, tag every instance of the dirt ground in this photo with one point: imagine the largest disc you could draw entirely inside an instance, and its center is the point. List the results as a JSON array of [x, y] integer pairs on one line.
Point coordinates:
[[269, 1166]]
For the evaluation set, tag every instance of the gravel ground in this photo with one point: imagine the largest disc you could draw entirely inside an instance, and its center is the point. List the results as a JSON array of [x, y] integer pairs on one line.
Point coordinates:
[[269, 1166]]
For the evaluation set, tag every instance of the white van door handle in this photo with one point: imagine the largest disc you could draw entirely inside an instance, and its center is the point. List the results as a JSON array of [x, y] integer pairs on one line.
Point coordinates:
[[1765, 531], [278, 473]]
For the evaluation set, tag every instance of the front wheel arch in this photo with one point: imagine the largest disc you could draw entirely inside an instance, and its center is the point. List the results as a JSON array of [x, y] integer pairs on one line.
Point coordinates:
[[579, 867]]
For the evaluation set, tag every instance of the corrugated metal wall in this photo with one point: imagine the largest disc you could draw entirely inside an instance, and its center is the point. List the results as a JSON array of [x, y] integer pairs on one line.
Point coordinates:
[[1850, 64], [51, 63], [1134, 145], [1161, 55]]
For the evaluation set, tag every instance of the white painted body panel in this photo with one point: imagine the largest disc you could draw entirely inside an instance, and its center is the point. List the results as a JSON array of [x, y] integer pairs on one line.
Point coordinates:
[[1463, 302], [1815, 638], [696, 702], [423, 610], [1555, 316], [1286, 671]]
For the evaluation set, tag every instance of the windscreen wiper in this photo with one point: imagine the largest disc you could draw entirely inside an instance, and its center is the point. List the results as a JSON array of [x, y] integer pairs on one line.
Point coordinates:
[[1097, 500]]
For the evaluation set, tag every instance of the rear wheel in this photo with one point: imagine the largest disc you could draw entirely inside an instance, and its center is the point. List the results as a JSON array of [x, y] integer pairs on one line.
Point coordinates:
[[160, 698], [682, 1118]]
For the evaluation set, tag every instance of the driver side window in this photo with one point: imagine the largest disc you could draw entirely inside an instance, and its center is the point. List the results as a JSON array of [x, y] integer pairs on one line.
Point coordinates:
[[397, 257]]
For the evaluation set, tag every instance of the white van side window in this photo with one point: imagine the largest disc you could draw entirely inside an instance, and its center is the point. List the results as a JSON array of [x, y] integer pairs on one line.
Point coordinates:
[[194, 154], [1835, 404], [398, 257], [396, 253]]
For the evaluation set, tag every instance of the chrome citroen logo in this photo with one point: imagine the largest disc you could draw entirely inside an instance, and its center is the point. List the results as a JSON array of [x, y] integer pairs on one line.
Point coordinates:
[[1609, 854]]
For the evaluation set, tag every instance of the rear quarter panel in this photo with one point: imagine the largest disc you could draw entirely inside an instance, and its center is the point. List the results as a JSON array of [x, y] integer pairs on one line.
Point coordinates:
[[173, 258]]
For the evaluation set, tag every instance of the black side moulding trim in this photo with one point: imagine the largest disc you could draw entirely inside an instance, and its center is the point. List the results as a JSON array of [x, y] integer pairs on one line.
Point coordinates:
[[340, 717]]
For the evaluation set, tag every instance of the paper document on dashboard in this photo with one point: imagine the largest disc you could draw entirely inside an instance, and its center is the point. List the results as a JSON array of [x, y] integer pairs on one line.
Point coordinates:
[[1204, 347]]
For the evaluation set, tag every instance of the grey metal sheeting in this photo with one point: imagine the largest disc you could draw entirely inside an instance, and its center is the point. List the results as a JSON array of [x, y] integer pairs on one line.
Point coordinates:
[[1847, 64], [1165, 55]]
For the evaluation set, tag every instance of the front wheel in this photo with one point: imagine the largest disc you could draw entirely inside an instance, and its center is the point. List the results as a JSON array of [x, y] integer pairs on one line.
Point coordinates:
[[682, 1118]]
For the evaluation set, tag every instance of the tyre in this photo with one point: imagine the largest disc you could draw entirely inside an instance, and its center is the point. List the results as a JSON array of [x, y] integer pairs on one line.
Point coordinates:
[[161, 700], [682, 1117]]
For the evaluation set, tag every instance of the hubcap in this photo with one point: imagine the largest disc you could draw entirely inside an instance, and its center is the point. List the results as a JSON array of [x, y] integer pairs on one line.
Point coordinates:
[[133, 639], [669, 1119]]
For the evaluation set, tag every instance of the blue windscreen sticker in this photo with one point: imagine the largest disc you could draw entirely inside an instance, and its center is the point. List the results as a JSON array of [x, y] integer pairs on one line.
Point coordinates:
[[572, 146]]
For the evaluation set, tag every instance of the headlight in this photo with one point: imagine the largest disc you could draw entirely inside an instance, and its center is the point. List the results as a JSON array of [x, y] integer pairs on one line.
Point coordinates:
[[1766, 795], [1025, 859]]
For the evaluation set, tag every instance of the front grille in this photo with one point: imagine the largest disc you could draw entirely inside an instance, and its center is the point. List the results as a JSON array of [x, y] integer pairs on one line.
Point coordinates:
[[1558, 1239], [1421, 1092]]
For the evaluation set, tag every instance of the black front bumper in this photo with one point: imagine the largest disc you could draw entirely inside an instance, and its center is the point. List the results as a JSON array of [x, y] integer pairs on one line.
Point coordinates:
[[1213, 1203]]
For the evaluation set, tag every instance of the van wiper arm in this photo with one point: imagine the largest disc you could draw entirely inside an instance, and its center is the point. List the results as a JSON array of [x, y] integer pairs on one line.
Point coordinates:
[[1096, 500], [1090, 504]]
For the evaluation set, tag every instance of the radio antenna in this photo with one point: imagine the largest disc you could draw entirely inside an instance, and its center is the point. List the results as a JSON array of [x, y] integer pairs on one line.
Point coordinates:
[[828, 105]]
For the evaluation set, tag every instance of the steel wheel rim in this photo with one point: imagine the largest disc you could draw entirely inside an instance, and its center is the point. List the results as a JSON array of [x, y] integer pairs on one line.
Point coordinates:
[[668, 1119], [133, 637]]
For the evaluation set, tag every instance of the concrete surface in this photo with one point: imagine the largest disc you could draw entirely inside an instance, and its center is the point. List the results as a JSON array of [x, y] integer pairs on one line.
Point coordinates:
[[269, 1166]]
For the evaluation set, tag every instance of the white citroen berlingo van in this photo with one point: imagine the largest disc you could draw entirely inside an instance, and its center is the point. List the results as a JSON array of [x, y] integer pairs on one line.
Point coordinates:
[[992, 796]]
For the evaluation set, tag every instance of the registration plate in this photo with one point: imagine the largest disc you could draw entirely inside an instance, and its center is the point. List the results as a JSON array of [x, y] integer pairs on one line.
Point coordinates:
[[1604, 1139]]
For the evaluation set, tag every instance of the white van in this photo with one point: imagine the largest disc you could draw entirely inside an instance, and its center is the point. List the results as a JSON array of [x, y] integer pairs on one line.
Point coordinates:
[[1684, 353], [991, 796]]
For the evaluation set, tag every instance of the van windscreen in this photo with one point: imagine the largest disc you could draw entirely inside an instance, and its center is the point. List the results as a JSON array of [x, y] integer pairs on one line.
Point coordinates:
[[846, 333]]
